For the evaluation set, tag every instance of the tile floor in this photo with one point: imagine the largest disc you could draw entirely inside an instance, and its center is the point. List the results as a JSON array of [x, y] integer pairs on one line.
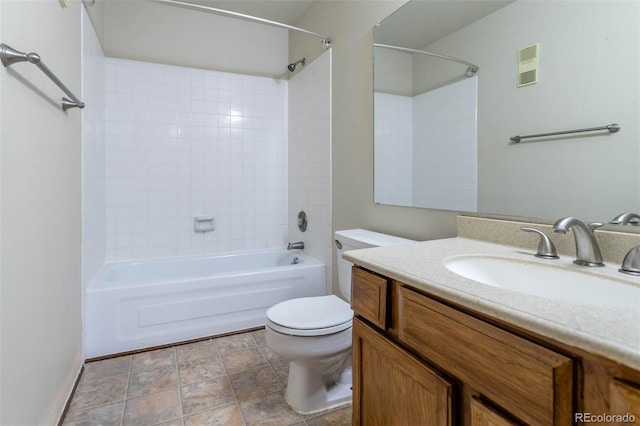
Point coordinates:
[[232, 380]]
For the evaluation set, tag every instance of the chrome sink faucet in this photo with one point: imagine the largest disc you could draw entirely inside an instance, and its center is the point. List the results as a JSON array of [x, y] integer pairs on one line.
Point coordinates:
[[626, 219], [587, 250]]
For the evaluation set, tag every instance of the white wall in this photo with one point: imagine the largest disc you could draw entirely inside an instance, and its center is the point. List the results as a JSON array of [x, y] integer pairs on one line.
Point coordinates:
[[40, 193], [183, 142], [93, 153], [310, 159]]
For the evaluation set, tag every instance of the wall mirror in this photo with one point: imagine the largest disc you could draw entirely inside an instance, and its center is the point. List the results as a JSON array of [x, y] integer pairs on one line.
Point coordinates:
[[442, 132]]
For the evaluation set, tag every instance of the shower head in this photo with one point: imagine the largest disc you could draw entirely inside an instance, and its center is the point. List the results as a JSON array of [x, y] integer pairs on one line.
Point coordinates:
[[292, 66]]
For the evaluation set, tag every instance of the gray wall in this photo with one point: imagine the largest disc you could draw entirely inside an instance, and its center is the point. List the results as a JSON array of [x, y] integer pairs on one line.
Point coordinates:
[[40, 314], [350, 24]]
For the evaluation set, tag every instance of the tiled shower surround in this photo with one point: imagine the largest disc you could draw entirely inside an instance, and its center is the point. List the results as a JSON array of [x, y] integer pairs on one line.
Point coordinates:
[[411, 166], [183, 142]]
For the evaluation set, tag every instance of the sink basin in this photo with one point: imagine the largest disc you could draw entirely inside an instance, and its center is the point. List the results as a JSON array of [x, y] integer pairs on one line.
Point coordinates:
[[553, 282]]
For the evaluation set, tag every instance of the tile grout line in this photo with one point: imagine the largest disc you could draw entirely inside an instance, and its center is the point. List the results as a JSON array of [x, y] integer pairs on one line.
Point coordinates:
[[179, 388], [126, 390], [233, 393]]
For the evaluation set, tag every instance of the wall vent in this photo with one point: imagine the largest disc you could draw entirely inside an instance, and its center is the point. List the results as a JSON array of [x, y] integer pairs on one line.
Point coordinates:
[[528, 65]]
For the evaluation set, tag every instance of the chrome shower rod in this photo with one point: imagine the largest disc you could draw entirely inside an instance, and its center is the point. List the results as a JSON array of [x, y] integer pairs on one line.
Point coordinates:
[[326, 42], [471, 71], [10, 56]]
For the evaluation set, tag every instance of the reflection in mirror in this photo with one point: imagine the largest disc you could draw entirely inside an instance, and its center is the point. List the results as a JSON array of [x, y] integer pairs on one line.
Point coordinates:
[[442, 138]]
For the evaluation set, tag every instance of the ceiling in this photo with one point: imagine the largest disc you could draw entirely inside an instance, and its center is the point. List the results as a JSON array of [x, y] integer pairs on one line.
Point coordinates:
[[283, 11], [422, 22]]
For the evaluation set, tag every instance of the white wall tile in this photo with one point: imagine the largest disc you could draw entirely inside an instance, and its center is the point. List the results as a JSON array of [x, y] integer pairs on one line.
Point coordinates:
[[309, 159], [183, 142]]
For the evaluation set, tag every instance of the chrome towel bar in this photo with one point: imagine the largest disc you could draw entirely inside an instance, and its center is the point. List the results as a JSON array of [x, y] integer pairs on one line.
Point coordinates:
[[612, 128], [10, 56]]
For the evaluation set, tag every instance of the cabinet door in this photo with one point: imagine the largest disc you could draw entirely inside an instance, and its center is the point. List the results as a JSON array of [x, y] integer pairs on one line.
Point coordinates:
[[392, 387], [483, 415], [625, 400]]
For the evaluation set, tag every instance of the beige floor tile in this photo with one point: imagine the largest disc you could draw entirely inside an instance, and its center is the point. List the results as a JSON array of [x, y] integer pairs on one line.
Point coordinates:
[[271, 409], [98, 392], [173, 422], [252, 383], [153, 408], [197, 350], [205, 395], [243, 360], [152, 381], [227, 416], [105, 415], [339, 417], [201, 381], [106, 368], [272, 357], [200, 369], [259, 337], [282, 371], [153, 359], [235, 342]]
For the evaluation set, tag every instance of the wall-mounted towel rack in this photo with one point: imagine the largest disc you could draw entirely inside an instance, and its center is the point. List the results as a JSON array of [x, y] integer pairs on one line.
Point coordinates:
[[612, 128], [10, 56]]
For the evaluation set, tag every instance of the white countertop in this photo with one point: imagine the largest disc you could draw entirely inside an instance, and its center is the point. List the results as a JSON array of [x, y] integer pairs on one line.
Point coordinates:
[[610, 332]]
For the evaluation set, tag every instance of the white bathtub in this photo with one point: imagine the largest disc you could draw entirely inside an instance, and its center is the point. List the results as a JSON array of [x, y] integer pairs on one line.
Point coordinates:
[[137, 305]]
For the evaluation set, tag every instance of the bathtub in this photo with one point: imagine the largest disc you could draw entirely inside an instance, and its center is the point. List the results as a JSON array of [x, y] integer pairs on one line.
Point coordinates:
[[136, 305]]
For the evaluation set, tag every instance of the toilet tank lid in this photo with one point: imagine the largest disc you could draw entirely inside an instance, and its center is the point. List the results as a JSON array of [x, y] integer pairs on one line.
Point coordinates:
[[363, 238]]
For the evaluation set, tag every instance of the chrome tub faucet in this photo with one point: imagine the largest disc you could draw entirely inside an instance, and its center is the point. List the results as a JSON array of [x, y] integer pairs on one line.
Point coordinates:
[[297, 245]]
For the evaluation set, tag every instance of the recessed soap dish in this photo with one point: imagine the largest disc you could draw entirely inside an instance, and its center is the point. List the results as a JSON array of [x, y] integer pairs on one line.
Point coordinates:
[[203, 223]]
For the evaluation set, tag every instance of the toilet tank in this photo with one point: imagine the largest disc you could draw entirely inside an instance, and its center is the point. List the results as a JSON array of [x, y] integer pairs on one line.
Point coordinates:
[[353, 239]]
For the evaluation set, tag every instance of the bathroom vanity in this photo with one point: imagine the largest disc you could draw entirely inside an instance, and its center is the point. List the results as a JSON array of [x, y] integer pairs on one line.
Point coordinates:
[[433, 348]]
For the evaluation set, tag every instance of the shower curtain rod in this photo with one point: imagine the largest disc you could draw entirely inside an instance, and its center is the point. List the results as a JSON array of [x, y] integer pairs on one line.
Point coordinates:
[[471, 71], [326, 42]]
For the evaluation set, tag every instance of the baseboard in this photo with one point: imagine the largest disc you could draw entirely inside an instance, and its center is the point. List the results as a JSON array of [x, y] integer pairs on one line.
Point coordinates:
[[61, 416]]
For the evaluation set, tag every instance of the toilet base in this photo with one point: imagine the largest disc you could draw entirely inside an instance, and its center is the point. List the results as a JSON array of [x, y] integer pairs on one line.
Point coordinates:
[[307, 391]]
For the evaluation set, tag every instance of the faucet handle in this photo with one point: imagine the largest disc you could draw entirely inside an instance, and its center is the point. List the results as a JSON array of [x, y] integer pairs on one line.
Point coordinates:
[[594, 225], [631, 262], [546, 249]]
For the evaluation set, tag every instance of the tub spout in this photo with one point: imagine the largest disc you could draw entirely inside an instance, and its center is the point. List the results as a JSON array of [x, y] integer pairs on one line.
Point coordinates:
[[298, 245]]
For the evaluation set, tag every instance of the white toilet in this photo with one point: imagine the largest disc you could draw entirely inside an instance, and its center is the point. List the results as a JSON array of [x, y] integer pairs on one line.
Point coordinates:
[[314, 334]]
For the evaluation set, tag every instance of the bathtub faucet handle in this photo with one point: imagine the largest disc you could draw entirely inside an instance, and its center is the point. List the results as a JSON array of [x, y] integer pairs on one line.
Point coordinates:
[[298, 245]]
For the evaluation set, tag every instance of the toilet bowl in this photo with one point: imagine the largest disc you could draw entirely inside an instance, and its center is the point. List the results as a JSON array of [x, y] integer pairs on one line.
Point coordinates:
[[314, 334]]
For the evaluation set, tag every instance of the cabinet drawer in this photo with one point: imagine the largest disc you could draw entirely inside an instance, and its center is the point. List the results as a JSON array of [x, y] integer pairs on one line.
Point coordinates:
[[369, 296], [531, 382]]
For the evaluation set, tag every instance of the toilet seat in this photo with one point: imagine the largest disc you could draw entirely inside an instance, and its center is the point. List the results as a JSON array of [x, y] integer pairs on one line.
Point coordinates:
[[310, 316]]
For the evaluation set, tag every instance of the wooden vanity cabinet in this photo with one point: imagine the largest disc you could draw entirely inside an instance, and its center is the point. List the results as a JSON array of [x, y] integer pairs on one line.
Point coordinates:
[[394, 387], [448, 367], [421, 361]]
